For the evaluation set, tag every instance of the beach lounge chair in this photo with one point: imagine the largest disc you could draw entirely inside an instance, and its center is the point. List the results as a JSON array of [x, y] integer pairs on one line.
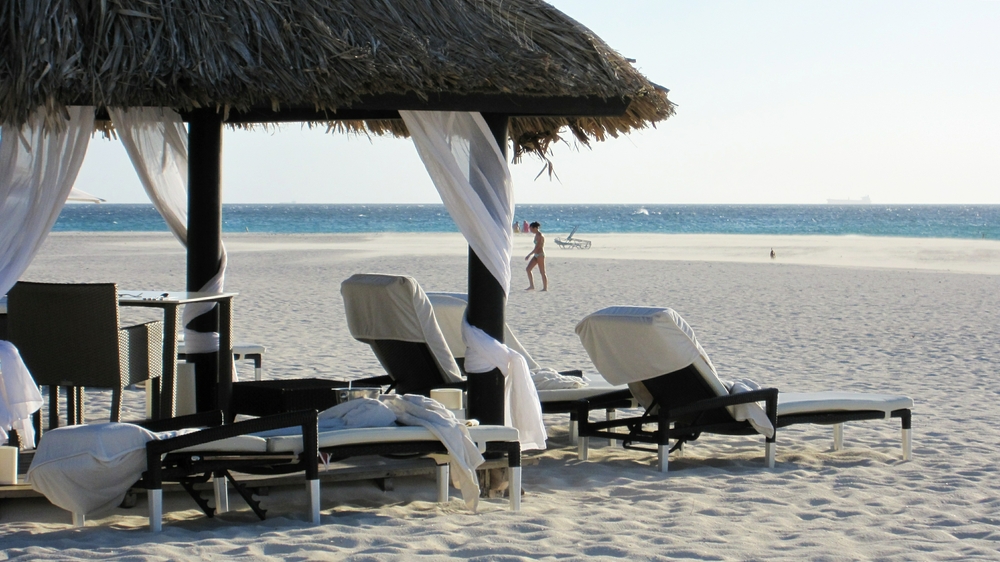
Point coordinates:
[[449, 310], [393, 315], [86, 468], [655, 352], [89, 468], [69, 336], [570, 243]]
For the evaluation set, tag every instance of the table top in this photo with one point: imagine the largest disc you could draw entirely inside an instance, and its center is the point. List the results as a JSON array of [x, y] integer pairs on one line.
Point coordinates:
[[154, 298]]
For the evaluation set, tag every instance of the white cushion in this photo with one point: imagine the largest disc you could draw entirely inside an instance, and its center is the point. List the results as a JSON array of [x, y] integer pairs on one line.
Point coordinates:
[[818, 402], [392, 434], [237, 444], [595, 386]]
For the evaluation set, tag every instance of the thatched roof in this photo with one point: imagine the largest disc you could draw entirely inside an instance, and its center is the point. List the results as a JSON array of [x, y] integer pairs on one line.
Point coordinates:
[[317, 55]]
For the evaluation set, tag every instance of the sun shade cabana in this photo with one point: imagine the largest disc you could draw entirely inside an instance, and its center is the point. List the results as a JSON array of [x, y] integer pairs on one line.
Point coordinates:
[[493, 71]]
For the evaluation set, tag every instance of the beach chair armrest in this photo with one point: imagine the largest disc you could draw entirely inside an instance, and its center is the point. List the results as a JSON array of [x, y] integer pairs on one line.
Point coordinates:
[[381, 380], [305, 418], [601, 401], [769, 395], [212, 418]]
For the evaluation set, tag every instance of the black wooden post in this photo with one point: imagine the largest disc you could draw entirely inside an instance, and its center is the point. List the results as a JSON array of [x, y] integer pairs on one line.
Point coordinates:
[[486, 312], [204, 251]]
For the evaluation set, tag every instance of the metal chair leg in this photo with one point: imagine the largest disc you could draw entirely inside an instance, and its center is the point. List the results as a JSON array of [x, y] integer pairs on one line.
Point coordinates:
[[443, 475], [221, 487], [155, 510], [514, 473], [312, 488]]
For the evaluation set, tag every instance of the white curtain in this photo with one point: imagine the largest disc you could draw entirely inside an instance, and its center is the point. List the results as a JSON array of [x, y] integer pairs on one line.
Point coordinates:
[[471, 175], [156, 142], [37, 170]]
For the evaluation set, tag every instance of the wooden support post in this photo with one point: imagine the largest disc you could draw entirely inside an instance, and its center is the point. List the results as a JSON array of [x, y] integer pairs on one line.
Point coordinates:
[[204, 253], [485, 311]]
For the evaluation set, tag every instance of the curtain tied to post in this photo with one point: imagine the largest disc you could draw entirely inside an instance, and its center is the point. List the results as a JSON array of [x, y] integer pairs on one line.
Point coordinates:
[[471, 175], [156, 142]]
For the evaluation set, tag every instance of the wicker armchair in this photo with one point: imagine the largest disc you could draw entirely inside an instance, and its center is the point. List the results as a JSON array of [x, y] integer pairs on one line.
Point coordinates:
[[69, 336]]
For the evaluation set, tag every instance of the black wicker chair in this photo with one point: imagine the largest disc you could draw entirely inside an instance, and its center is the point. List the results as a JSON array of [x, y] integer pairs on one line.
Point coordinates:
[[69, 335]]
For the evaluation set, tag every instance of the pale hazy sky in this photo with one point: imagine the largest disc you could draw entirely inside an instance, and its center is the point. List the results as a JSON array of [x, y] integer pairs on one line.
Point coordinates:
[[778, 102]]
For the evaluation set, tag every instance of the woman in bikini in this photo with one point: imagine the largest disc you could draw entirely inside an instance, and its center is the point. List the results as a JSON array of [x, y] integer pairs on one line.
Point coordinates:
[[537, 257]]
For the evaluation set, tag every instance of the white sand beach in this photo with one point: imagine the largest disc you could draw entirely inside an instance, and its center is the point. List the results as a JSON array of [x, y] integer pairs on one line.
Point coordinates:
[[907, 316]]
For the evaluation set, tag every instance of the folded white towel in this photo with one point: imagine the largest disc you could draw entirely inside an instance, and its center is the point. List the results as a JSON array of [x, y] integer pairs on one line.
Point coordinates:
[[751, 412], [550, 379]]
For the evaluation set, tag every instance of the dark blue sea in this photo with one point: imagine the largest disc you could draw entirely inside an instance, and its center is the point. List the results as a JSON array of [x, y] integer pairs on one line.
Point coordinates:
[[930, 221]]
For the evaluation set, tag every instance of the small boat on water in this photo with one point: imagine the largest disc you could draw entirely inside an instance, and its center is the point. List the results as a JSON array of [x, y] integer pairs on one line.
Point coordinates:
[[866, 200]]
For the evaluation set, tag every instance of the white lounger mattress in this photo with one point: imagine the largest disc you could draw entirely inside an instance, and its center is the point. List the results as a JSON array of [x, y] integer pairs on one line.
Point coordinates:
[[815, 402], [293, 443], [595, 386]]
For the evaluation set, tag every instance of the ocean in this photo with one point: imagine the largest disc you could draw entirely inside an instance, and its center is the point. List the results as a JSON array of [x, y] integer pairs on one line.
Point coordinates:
[[928, 221]]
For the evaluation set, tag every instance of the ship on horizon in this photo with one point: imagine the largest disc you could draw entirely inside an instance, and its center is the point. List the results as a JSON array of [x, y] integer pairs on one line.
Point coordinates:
[[866, 200]]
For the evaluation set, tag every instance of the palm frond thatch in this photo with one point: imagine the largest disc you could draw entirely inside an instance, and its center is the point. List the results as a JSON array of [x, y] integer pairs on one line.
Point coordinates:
[[320, 54]]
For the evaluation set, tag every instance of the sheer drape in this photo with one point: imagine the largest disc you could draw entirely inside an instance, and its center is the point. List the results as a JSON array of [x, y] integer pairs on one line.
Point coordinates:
[[156, 142], [37, 170], [471, 175]]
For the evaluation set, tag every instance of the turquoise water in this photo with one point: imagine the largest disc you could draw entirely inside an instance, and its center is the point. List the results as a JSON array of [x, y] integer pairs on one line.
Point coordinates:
[[934, 221]]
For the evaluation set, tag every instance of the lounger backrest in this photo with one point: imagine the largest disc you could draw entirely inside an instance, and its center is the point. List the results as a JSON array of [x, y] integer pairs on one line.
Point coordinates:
[[631, 344], [449, 308], [387, 308]]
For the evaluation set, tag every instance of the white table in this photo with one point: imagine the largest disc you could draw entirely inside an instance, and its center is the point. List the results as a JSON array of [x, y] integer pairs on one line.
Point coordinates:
[[169, 301]]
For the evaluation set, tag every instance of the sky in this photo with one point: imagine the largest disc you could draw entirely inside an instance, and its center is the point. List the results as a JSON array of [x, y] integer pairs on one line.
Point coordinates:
[[778, 102]]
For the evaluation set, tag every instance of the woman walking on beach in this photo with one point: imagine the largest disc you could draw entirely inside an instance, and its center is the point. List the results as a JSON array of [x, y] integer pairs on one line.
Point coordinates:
[[537, 257]]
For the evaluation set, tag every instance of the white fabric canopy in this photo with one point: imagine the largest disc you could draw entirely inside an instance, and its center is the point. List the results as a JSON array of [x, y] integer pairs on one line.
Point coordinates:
[[37, 170], [156, 142]]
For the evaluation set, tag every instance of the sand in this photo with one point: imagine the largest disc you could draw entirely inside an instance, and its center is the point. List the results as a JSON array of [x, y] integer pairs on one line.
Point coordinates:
[[912, 316]]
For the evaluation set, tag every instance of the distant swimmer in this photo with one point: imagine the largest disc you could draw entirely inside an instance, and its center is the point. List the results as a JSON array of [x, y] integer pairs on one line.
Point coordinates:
[[773, 255], [537, 257], [517, 227]]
